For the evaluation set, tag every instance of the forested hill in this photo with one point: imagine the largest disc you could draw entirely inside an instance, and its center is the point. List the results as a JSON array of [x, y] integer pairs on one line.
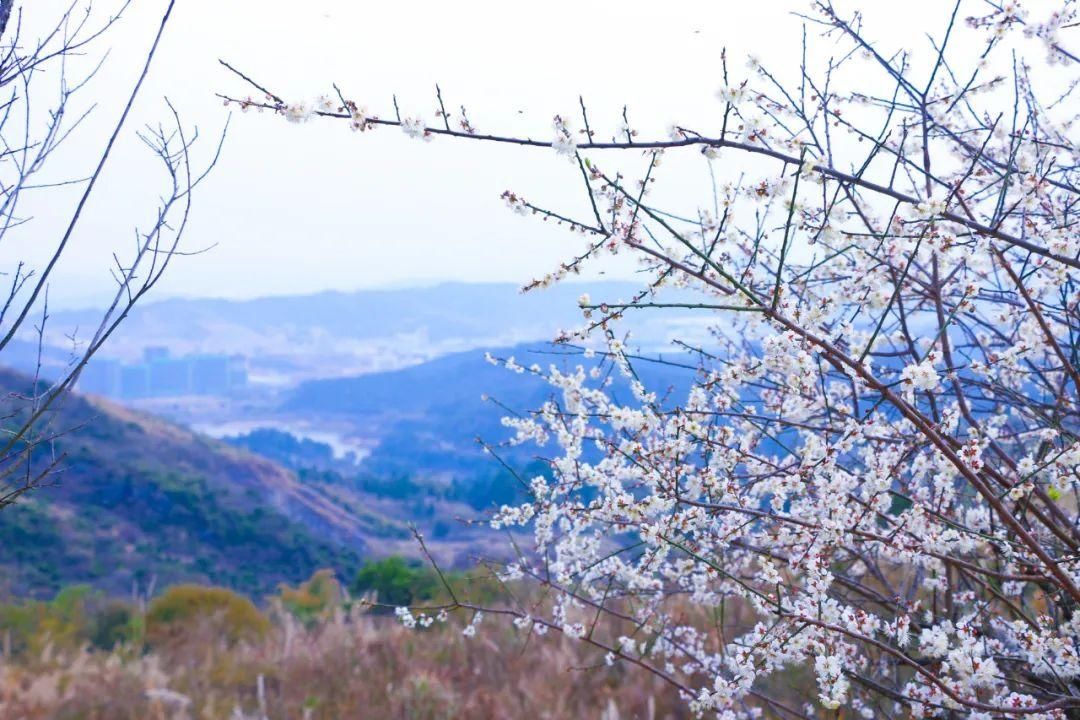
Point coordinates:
[[137, 500]]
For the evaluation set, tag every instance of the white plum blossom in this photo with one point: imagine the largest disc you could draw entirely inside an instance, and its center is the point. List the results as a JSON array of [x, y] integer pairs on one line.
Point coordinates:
[[470, 629], [921, 376], [934, 642], [564, 143], [832, 683], [732, 94], [299, 112], [359, 119], [405, 616], [414, 128]]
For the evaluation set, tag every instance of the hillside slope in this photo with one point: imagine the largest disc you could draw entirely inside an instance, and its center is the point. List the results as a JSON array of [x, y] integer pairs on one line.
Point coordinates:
[[137, 500]]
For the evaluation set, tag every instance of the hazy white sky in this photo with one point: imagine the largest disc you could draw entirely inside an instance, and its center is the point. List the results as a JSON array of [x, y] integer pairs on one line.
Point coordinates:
[[303, 208]]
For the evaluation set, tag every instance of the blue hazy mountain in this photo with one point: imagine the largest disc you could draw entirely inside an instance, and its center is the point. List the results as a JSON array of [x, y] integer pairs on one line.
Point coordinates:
[[335, 334], [433, 413], [440, 312]]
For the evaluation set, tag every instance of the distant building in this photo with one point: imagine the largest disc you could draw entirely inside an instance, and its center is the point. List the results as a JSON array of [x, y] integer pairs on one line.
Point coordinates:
[[162, 375], [102, 376], [134, 381], [169, 376], [210, 375]]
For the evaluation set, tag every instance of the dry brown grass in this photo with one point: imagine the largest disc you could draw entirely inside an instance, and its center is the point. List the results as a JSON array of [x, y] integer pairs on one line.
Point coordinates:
[[344, 667]]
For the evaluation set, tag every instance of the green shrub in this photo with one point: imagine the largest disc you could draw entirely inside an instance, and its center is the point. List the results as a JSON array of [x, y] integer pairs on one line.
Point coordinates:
[[396, 581], [77, 616], [182, 608], [116, 623]]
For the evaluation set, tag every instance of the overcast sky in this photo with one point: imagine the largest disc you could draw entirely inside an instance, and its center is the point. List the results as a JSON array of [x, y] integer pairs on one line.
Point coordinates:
[[294, 209]]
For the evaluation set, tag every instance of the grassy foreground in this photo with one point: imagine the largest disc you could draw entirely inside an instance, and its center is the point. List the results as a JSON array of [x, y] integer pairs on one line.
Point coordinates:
[[197, 652]]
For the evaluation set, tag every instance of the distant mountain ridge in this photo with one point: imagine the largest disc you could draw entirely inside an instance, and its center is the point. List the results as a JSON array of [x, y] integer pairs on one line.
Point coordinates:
[[440, 312], [336, 334]]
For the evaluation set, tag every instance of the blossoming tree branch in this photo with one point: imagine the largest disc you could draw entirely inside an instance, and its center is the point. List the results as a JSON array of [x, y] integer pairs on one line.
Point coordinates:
[[874, 476]]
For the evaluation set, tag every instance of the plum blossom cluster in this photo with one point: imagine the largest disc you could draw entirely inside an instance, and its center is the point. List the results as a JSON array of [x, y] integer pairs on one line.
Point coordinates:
[[565, 143], [1045, 24], [862, 472], [419, 620], [862, 495]]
